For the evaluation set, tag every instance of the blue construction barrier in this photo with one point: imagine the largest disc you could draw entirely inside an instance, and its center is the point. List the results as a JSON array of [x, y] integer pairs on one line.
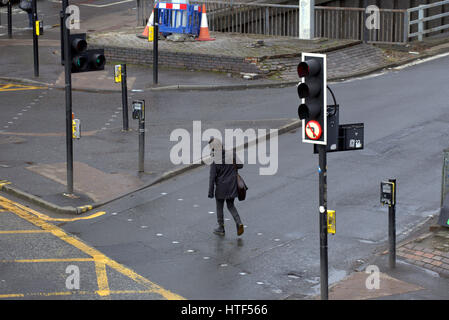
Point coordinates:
[[179, 18]]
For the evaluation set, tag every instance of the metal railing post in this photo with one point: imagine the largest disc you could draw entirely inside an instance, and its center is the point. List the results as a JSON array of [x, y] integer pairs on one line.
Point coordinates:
[[421, 23], [406, 26], [267, 23]]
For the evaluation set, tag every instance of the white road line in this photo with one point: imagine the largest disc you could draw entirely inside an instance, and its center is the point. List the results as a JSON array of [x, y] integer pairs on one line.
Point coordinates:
[[419, 61], [105, 5]]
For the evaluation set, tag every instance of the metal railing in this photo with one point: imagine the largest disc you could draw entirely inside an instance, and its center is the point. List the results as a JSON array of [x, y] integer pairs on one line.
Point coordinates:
[[423, 19], [349, 23], [266, 19], [283, 20]]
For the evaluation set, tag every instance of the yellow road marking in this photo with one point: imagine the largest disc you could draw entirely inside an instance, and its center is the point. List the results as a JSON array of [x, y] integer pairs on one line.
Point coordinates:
[[102, 278], [13, 295], [17, 87], [3, 183], [47, 218], [22, 231], [48, 260], [25, 214], [68, 293]]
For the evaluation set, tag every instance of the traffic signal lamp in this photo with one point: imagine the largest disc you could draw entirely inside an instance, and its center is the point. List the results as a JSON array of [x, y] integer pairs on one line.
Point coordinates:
[[312, 92], [96, 59], [84, 60]]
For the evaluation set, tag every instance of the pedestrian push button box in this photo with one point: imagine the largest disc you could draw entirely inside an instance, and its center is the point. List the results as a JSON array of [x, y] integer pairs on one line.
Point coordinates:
[[138, 109], [39, 27], [387, 193]]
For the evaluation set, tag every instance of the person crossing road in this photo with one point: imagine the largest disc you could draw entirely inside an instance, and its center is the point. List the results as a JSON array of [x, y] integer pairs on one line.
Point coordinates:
[[223, 180]]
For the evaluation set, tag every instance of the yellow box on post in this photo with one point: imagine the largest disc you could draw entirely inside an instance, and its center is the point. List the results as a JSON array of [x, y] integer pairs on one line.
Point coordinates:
[[37, 28], [76, 129], [331, 222], [150, 33], [118, 73]]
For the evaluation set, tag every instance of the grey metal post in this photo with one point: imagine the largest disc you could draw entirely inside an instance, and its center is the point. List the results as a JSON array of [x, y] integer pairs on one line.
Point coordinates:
[[322, 153], [35, 41], [392, 228], [155, 45], [365, 17], [9, 19], [267, 21], [124, 98], [68, 98], [142, 141]]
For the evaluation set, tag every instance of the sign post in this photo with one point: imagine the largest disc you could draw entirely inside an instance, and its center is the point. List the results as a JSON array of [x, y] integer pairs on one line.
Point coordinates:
[[138, 107], [36, 32], [388, 197]]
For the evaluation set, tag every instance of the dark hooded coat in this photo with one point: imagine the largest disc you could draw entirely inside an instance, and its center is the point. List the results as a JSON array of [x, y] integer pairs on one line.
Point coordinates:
[[223, 177]]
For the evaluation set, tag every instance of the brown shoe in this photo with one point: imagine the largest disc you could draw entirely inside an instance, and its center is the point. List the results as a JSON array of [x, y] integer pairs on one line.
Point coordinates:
[[240, 229]]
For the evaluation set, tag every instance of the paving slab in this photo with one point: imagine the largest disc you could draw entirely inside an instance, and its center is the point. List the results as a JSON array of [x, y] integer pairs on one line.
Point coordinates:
[[355, 287]]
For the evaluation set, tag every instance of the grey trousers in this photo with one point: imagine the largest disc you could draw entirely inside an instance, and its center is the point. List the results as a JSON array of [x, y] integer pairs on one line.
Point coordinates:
[[231, 208]]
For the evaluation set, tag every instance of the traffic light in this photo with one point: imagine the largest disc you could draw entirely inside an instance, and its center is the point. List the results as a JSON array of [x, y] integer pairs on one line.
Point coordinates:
[[85, 60], [312, 92]]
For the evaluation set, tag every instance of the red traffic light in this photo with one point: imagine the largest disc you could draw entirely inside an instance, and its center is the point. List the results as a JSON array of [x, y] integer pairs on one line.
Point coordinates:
[[303, 69], [308, 68]]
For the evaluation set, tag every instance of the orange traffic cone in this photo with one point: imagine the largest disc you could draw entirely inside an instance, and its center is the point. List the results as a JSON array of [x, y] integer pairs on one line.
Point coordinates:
[[145, 32], [204, 29]]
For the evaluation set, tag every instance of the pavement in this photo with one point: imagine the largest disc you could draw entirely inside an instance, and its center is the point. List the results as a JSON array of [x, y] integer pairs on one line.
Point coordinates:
[[421, 271]]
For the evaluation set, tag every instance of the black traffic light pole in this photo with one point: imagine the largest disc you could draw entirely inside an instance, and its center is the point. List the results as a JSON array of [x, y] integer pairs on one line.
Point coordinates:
[[155, 45], [315, 107], [322, 164], [35, 41], [9, 19], [68, 98], [124, 98]]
